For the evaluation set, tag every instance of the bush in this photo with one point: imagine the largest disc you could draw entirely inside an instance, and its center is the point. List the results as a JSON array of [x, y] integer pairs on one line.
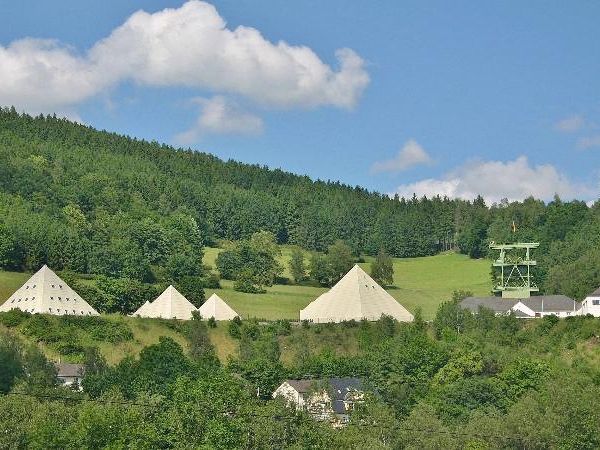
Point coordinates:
[[98, 328], [13, 318], [70, 349], [244, 282], [212, 323], [234, 328], [212, 281]]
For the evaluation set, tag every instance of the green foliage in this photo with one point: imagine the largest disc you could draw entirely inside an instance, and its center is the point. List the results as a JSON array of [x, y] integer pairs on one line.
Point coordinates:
[[200, 346], [382, 269], [11, 366], [192, 288], [122, 295], [340, 259], [330, 268], [251, 263], [13, 317], [297, 266]]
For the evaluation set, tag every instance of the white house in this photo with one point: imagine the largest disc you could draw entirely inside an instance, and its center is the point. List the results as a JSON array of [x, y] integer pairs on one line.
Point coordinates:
[[591, 304], [327, 400]]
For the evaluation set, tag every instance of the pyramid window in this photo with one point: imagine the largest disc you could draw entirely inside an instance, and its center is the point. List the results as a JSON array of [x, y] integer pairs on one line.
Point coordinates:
[[59, 298], [52, 285], [13, 300], [58, 310], [74, 312], [19, 301], [27, 287], [50, 309], [51, 298], [60, 286]]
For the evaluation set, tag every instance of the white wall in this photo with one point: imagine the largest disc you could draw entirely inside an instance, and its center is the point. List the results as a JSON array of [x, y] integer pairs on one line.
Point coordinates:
[[591, 305]]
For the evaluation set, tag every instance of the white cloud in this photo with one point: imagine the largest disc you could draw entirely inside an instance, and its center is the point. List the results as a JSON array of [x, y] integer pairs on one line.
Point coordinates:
[[588, 142], [411, 154], [495, 180], [188, 46], [41, 75], [220, 115], [570, 124]]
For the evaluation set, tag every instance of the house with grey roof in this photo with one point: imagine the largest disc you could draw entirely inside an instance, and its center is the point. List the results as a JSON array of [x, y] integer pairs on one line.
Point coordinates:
[[70, 374], [330, 400], [525, 308]]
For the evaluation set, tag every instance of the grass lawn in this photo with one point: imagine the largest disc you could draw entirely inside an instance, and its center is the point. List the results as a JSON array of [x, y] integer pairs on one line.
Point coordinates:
[[428, 281], [279, 302], [10, 282], [418, 282]]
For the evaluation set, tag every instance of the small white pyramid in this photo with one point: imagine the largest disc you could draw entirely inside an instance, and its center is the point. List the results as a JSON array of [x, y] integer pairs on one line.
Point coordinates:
[[216, 307], [168, 305], [355, 297], [46, 293]]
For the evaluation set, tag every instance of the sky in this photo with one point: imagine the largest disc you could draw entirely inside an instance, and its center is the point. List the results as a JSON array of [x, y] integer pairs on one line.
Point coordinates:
[[499, 98]]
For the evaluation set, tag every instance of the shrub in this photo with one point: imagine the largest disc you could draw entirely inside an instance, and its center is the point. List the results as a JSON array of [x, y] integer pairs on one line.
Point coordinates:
[[212, 323], [234, 328], [13, 318], [212, 281]]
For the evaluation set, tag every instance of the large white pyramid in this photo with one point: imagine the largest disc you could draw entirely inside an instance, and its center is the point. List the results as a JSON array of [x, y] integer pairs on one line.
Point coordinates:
[[168, 305], [355, 297], [46, 293], [216, 307]]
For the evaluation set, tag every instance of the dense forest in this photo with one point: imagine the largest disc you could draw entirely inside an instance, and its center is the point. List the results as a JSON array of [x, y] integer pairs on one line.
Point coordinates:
[[95, 202], [464, 381]]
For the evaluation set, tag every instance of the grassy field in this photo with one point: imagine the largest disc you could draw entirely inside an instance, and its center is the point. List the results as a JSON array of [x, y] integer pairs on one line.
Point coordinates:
[[428, 281], [418, 282], [10, 282]]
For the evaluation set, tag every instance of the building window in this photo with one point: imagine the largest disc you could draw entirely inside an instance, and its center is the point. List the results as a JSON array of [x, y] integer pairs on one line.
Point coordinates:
[[595, 302]]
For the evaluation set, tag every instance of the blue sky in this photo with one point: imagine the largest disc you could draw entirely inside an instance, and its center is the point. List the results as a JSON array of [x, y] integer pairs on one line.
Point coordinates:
[[493, 98]]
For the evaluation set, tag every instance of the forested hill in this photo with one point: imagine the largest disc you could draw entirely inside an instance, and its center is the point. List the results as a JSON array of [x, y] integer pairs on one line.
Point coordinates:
[[53, 163], [93, 201]]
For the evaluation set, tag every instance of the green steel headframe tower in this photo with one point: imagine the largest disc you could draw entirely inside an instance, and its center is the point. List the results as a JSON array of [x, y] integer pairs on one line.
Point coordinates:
[[515, 265]]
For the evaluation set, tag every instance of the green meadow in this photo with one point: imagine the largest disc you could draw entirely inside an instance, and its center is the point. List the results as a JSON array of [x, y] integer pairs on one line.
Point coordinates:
[[418, 283]]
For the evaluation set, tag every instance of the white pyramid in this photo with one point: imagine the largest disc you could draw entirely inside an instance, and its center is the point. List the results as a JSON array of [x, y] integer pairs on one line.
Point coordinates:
[[46, 293], [216, 307], [168, 305], [355, 297]]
